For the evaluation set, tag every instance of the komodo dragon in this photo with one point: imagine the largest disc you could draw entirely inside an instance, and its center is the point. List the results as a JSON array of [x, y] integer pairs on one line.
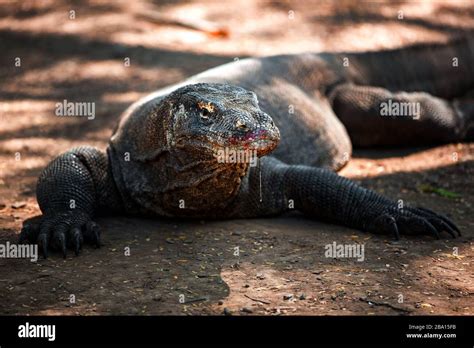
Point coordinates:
[[161, 160]]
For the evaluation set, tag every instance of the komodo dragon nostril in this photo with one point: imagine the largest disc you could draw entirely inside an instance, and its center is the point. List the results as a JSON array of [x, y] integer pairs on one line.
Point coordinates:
[[241, 125]]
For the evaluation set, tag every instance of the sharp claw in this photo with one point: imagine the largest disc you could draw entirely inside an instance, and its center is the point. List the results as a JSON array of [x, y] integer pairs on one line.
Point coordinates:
[[385, 224], [393, 225], [96, 233], [395, 231], [77, 240], [448, 222], [448, 229], [432, 229], [43, 244], [97, 238], [59, 240], [442, 217], [440, 225], [62, 240]]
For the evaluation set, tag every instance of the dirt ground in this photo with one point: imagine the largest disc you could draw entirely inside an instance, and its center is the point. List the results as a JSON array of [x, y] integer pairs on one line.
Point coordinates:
[[177, 267]]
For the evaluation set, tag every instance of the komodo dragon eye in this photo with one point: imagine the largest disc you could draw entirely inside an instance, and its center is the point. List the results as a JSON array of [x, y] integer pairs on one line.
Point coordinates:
[[206, 109]]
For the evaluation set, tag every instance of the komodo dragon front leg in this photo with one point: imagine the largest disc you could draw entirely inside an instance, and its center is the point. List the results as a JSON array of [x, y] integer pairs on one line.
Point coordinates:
[[70, 191], [319, 193]]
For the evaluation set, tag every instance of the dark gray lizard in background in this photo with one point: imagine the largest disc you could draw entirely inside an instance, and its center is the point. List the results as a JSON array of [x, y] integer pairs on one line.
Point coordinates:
[[307, 110]]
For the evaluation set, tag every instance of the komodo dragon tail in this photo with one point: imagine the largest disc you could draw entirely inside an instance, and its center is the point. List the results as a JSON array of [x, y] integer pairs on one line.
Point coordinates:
[[442, 70], [436, 80]]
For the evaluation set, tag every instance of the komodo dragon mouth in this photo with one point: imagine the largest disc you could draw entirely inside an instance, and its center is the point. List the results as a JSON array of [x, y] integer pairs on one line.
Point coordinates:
[[263, 141], [255, 143]]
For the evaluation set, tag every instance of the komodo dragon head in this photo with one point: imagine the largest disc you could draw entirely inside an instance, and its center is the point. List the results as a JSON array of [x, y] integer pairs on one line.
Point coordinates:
[[208, 118]]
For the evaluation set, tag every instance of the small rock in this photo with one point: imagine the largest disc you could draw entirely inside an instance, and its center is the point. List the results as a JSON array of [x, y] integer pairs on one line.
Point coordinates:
[[246, 310], [303, 297], [287, 297], [246, 286], [131, 310], [2, 206], [220, 303], [227, 311]]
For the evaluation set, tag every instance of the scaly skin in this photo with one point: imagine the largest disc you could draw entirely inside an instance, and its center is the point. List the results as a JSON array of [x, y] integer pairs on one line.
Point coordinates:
[[163, 158]]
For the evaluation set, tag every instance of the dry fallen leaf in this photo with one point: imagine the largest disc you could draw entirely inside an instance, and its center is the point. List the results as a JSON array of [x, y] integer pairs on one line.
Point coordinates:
[[452, 256]]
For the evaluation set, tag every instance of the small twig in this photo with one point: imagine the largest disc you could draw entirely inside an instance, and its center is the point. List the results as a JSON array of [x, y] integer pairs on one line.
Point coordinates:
[[386, 304], [256, 300], [194, 24], [199, 299]]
